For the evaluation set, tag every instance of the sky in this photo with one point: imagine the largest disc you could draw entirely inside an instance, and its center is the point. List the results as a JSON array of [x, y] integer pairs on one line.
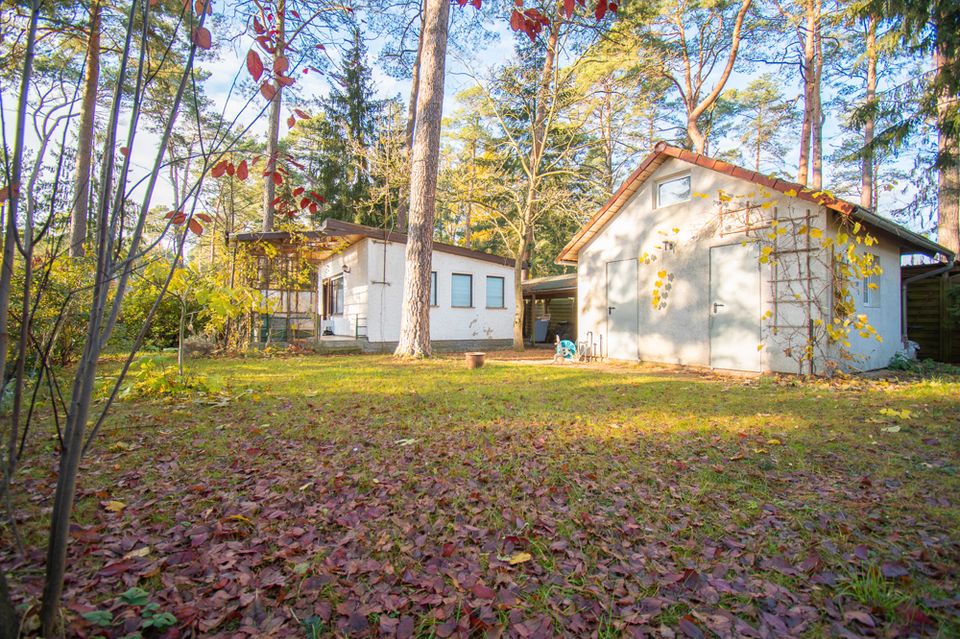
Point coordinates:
[[462, 64]]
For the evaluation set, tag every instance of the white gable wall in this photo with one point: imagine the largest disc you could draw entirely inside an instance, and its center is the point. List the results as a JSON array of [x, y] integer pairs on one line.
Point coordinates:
[[679, 333]]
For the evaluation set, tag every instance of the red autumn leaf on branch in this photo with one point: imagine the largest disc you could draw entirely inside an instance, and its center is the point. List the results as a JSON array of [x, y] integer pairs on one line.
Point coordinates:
[[284, 80], [124, 151], [219, 169], [297, 191], [290, 122], [277, 178], [301, 114], [266, 44], [601, 9], [230, 169], [254, 65], [204, 217], [194, 226], [281, 64], [568, 8], [175, 217], [242, 171], [202, 37], [268, 90], [257, 27]]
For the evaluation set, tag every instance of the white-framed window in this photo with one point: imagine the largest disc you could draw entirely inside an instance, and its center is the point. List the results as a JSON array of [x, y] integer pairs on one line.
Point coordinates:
[[870, 287], [336, 296], [673, 190], [433, 288], [495, 286], [461, 290]]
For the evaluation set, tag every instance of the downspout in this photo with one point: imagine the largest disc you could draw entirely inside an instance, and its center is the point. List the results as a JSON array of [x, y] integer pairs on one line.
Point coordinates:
[[951, 261]]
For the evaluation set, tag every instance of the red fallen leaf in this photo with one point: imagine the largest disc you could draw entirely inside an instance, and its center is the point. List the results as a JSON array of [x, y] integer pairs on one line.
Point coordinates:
[[860, 617], [242, 171], [405, 628], [357, 624], [219, 169], [254, 65], [116, 568], [483, 591], [280, 64], [447, 550], [861, 552], [291, 121], [86, 535], [893, 570], [446, 629], [268, 91], [202, 37], [204, 217], [194, 226], [913, 616], [689, 627]]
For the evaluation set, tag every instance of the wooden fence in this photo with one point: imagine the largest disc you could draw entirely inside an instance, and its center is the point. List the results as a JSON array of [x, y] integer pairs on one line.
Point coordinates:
[[929, 320]]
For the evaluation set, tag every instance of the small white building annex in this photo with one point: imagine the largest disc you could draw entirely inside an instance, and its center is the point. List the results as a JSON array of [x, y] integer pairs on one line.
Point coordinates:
[[360, 280], [694, 261]]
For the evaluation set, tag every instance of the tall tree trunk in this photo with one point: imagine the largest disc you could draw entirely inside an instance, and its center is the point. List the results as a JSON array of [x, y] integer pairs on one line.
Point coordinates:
[[88, 109], [809, 53], [948, 158], [697, 141], [404, 205], [424, 163], [518, 302], [468, 219], [816, 144], [273, 126], [866, 172]]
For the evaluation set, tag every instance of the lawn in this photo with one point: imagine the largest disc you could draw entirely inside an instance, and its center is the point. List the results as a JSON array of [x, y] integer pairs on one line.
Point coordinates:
[[359, 496]]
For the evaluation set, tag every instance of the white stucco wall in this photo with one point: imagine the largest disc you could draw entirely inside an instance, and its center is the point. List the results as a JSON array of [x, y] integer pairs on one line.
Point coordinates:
[[884, 316], [356, 287], [679, 332], [378, 289]]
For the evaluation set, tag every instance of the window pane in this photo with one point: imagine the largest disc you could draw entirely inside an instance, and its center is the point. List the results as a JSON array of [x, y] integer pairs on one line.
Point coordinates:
[[674, 191], [494, 292], [433, 288], [338, 296], [461, 290]]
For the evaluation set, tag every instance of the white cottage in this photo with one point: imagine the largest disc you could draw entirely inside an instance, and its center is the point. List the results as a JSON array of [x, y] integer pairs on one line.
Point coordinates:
[[697, 262], [360, 279]]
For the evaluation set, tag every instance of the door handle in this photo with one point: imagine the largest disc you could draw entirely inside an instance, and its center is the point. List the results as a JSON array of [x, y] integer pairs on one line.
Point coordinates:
[[717, 305], [611, 309]]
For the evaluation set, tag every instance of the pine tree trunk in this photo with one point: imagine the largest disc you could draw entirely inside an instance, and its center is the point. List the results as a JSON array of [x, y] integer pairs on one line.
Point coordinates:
[[273, 128], [424, 163], [866, 172], [88, 108], [948, 147], [816, 143], [404, 205], [808, 98]]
